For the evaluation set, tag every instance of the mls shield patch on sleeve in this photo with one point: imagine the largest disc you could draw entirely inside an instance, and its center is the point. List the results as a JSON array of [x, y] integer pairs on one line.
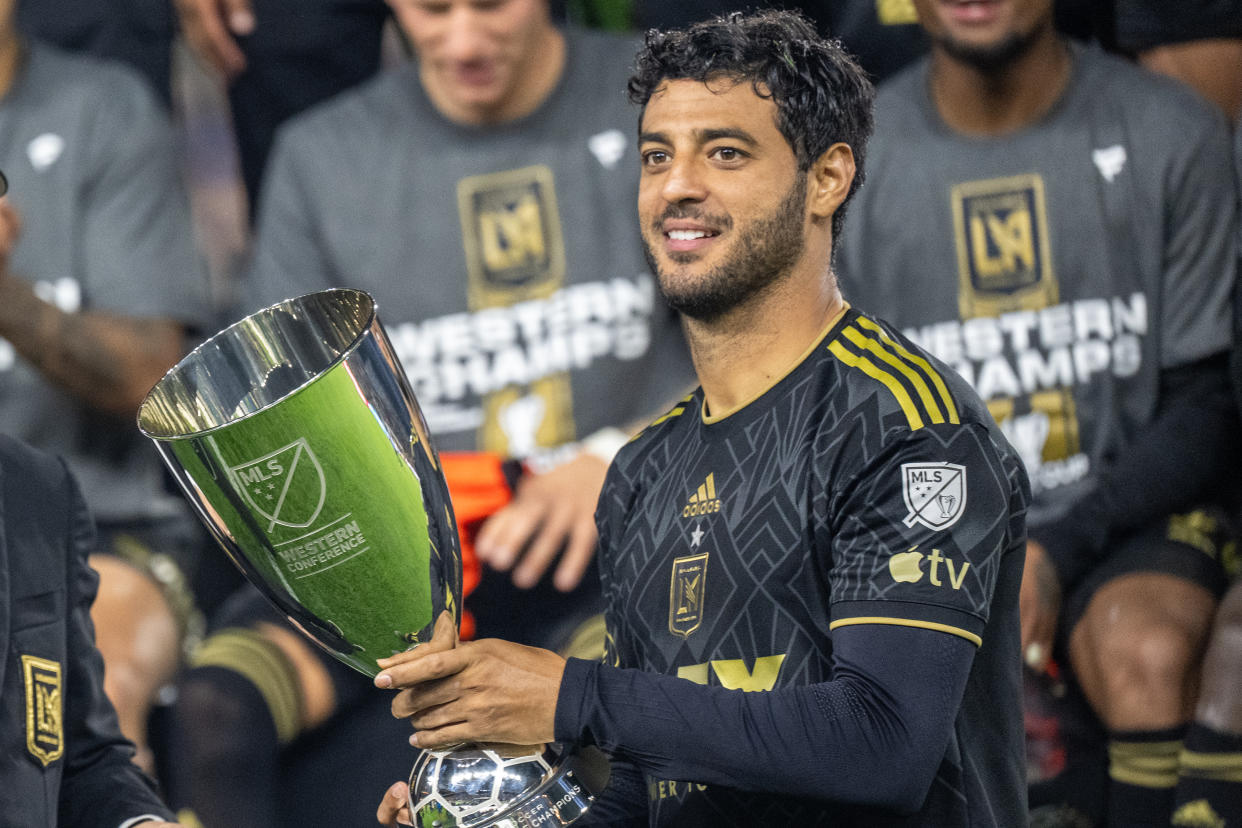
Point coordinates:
[[935, 493]]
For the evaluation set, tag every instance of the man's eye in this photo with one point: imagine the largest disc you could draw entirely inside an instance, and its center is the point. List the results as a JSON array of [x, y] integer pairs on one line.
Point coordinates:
[[653, 157], [727, 153]]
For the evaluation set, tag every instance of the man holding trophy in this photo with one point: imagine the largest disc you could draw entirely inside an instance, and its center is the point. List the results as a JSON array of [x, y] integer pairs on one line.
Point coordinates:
[[833, 516]]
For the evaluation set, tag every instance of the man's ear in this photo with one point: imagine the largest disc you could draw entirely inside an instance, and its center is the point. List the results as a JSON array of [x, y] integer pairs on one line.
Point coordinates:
[[830, 178]]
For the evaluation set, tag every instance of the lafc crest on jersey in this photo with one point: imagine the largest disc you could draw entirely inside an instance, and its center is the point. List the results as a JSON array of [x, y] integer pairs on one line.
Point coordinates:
[[686, 592], [511, 231], [1003, 249], [935, 493], [45, 729]]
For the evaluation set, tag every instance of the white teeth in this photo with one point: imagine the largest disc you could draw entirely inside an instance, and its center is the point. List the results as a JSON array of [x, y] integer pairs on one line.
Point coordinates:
[[687, 235]]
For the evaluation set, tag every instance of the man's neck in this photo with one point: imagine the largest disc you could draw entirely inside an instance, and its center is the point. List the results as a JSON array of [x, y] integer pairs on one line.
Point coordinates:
[[981, 102], [743, 354]]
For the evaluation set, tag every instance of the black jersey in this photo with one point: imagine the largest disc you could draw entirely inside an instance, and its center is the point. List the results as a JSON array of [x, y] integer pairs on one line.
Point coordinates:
[[868, 486]]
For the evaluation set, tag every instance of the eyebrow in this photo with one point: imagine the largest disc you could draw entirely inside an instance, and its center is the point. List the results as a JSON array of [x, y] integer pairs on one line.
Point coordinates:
[[702, 136]]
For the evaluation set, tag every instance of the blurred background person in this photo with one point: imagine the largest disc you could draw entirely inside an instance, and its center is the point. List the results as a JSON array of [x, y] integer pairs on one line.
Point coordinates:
[[1059, 226], [484, 194], [65, 760], [100, 286]]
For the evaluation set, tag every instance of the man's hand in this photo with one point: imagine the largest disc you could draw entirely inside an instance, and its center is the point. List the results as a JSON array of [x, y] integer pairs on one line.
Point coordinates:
[[211, 26], [1039, 604], [478, 691], [394, 808], [548, 512]]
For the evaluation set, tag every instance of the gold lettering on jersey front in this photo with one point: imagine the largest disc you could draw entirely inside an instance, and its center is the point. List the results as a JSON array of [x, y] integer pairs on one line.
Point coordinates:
[[733, 673], [686, 593], [1003, 247], [45, 732], [896, 12], [658, 789]]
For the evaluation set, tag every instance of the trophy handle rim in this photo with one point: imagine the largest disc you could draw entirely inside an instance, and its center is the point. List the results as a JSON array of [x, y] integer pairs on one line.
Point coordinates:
[[148, 400]]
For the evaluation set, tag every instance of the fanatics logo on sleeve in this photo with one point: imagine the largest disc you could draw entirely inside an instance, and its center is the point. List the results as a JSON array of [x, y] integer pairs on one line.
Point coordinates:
[[935, 493]]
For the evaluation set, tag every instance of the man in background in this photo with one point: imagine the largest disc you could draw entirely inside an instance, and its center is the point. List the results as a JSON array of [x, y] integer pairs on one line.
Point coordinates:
[[1059, 226], [483, 194], [99, 288], [65, 762]]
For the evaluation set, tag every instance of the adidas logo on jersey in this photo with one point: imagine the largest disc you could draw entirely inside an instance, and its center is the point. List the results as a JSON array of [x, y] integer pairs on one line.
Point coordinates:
[[704, 501]]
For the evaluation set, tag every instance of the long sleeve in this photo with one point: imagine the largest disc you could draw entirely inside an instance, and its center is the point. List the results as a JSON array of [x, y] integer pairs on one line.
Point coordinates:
[[891, 704], [101, 786]]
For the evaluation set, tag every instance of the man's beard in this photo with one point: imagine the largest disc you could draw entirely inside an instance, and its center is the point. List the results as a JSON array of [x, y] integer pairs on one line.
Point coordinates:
[[762, 255], [993, 58]]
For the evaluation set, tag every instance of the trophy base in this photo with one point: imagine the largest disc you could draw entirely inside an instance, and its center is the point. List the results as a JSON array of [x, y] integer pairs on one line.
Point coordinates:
[[476, 786]]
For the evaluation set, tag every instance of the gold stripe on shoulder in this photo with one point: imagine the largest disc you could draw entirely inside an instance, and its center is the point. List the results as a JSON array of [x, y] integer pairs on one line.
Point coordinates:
[[907, 622], [880, 375], [875, 346], [932, 374], [676, 411]]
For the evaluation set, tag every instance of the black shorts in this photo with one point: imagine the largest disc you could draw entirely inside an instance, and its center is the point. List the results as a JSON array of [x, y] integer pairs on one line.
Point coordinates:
[[1198, 546]]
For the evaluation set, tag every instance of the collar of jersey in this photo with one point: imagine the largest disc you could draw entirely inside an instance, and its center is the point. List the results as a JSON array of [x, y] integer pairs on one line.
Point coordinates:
[[709, 419]]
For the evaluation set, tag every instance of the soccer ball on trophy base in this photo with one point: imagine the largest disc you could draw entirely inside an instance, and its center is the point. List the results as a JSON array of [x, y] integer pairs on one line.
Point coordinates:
[[297, 438]]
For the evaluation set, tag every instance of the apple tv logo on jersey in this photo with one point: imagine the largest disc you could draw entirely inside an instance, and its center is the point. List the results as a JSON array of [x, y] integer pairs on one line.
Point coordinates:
[[907, 568]]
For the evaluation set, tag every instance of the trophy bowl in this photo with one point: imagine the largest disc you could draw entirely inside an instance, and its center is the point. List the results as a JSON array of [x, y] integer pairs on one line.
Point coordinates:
[[297, 438]]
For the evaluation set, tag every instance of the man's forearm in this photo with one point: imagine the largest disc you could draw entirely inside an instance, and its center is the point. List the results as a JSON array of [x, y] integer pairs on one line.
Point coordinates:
[[836, 740], [106, 360]]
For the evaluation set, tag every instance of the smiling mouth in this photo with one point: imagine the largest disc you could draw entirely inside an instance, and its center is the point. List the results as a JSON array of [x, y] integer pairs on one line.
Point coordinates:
[[690, 235]]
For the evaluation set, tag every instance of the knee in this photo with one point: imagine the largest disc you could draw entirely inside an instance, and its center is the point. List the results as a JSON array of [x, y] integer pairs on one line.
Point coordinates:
[[1139, 664], [219, 715], [1152, 660]]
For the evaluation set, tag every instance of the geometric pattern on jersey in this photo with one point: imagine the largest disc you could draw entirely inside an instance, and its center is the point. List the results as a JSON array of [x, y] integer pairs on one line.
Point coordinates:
[[766, 528]]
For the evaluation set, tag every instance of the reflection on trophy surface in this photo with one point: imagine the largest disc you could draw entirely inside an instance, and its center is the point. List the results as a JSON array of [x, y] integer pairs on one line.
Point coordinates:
[[296, 436]]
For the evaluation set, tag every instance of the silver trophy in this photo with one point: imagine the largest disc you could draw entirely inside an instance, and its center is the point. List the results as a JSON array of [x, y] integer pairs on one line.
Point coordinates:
[[297, 438]]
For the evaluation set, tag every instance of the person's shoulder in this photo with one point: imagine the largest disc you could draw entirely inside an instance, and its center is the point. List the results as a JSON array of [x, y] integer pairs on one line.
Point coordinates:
[[359, 114], [910, 389], [30, 470], [90, 82], [634, 453], [901, 92], [1154, 104]]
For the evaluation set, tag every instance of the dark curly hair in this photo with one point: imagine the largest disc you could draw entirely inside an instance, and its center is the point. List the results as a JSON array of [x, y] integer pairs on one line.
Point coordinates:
[[822, 96]]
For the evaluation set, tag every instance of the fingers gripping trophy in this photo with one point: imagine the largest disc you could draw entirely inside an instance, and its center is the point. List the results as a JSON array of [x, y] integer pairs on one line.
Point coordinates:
[[297, 438]]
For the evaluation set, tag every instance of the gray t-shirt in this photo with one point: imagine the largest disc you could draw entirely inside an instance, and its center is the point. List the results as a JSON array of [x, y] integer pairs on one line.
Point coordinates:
[[91, 165], [1059, 269], [505, 260]]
